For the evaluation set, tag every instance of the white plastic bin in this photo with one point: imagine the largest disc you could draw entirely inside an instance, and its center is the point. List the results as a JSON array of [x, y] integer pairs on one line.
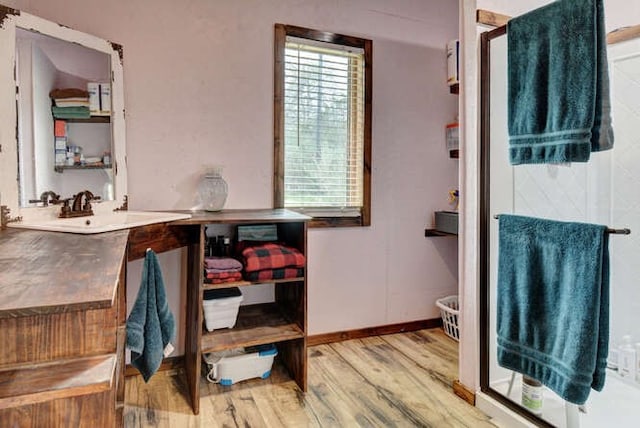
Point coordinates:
[[449, 311], [229, 367], [221, 307]]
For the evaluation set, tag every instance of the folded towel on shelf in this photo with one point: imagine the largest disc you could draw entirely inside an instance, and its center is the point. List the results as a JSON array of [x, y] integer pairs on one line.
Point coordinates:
[[209, 270], [232, 276], [71, 112], [72, 102], [221, 281], [553, 303], [68, 93], [150, 325], [222, 263], [268, 274], [558, 84], [271, 256]]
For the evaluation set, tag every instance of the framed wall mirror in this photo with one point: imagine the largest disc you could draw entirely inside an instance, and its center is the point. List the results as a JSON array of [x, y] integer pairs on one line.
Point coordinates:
[[64, 129]]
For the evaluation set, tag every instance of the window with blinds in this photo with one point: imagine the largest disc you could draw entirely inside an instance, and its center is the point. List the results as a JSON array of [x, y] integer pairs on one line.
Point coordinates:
[[322, 125]]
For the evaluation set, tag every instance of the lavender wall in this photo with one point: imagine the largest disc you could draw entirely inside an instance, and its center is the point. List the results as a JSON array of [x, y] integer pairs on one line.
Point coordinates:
[[199, 89]]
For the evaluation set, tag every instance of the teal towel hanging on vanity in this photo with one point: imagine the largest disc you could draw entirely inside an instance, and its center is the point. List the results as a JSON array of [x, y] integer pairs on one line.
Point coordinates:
[[553, 303], [558, 84], [150, 325]]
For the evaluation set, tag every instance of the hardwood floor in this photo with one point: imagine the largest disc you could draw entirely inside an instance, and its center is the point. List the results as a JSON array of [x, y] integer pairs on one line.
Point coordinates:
[[396, 380]]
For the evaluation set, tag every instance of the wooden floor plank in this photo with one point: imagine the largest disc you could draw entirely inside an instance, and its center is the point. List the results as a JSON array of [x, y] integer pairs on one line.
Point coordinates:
[[418, 392], [339, 396], [397, 380], [441, 362]]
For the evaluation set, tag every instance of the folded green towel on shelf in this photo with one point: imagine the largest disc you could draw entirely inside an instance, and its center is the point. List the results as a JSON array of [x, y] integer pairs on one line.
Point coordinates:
[[71, 112]]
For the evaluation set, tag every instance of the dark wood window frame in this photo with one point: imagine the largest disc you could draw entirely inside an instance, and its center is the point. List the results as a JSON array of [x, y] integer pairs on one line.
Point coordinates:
[[281, 32]]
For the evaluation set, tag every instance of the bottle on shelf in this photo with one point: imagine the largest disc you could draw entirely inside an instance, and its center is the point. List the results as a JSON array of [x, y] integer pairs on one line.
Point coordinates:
[[219, 246], [627, 358], [532, 395], [637, 362], [226, 247], [210, 245]]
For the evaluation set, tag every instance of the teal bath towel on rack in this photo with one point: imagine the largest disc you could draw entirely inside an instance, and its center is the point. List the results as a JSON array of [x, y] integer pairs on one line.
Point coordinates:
[[558, 84], [553, 303], [150, 325]]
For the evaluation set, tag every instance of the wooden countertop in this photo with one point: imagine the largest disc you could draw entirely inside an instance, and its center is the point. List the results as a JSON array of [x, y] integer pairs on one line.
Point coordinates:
[[49, 272], [278, 215]]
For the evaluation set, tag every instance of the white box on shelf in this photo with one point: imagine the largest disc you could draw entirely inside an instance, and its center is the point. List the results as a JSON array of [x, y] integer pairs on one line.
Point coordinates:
[[221, 307], [232, 366], [60, 157], [105, 97], [453, 48], [61, 143], [94, 97]]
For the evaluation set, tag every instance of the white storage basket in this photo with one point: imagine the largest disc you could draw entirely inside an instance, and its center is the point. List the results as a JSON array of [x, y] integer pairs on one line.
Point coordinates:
[[449, 312], [232, 366], [221, 307]]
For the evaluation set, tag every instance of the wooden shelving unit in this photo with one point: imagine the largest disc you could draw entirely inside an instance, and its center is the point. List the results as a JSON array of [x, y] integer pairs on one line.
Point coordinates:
[[282, 322], [256, 325]]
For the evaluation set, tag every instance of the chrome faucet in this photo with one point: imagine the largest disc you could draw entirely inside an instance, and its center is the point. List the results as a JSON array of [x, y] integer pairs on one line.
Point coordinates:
[[48, 197]]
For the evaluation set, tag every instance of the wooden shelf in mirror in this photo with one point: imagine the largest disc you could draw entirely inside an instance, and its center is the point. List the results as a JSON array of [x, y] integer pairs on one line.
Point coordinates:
[[92, 119], [207, 286], [256, 325], [61, 168]]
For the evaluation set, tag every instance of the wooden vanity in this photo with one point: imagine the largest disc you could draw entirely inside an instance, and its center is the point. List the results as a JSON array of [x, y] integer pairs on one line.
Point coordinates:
[[62, 334], [63, 313]]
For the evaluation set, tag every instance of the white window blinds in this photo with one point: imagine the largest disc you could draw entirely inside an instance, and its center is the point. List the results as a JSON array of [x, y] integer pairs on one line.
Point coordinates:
[[324, 127]]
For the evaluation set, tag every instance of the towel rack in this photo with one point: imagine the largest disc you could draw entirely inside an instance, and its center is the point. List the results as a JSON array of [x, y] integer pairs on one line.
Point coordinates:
[[625, 231]]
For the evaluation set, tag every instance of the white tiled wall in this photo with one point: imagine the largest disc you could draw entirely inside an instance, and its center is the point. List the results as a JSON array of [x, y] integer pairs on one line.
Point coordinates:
[[625, 191]]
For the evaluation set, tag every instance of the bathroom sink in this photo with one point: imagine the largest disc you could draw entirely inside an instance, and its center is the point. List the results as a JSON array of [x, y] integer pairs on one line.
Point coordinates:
[[101, 222]]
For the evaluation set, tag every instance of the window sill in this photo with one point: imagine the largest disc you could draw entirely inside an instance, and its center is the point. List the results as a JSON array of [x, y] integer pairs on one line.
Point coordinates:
[[328, 222]]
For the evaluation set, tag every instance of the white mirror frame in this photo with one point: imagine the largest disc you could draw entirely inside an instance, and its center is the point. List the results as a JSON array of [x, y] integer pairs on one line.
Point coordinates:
[[10, 19]]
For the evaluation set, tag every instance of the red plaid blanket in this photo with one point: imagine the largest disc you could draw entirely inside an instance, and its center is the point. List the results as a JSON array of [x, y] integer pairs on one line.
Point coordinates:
[[264, 275], [221, 281], [271, 256], [234, 276]]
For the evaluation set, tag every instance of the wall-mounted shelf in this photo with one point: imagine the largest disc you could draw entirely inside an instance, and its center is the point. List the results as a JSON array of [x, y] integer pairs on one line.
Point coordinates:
[[430, 233], [61, 168]]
